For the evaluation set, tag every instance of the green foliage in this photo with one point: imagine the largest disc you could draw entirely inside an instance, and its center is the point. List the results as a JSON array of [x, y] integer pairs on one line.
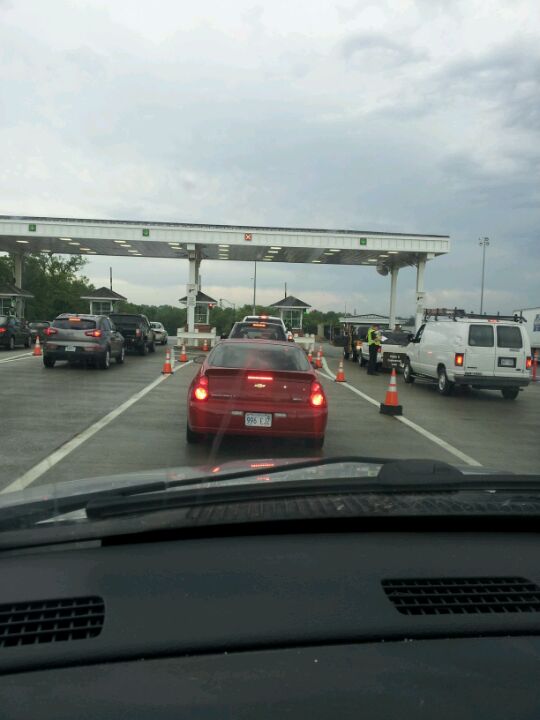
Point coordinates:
[[54, 281]]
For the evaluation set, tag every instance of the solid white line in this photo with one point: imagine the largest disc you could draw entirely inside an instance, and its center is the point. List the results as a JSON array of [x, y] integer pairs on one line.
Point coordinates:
[[47, 463], [16, 357], [409, 423]]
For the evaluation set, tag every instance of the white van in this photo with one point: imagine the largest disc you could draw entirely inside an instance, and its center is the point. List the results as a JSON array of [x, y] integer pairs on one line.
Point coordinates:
[[481, 351]]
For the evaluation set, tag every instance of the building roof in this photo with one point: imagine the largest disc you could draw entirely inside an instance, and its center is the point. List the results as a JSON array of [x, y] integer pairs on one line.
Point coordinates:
[[290, 302], [103, 293], [202, 299], [10, 290]]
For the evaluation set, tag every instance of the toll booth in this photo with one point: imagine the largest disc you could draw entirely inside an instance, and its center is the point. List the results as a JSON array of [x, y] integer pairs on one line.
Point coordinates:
[[103, 301], [203, 303], [12, 300], [291, 310]]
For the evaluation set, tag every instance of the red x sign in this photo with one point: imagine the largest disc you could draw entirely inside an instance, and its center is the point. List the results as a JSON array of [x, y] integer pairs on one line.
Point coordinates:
[[247, 236]]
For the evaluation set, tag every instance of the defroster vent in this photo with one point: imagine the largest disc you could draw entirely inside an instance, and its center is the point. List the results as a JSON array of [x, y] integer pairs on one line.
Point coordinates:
[[463, 596], [46, 621]]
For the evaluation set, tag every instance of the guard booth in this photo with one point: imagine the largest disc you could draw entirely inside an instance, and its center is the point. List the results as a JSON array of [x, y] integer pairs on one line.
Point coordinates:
[[12, 300], [202, 329], [103, 301], [291, 310]]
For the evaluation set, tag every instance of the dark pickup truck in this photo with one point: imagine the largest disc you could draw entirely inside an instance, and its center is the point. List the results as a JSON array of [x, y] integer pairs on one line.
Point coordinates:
[[136, 330]]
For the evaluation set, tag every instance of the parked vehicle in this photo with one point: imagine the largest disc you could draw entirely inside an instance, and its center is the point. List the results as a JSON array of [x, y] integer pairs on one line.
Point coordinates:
[[137, 332], [161, 336], [13, 331], [258, 389], [481, 351], [83, 339], [38, 328]]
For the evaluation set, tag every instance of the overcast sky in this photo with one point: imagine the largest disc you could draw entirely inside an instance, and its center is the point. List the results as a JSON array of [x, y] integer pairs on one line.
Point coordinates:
[[406, 116]]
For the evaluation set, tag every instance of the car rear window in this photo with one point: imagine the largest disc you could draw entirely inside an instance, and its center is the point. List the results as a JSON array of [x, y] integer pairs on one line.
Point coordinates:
[[258, 331], [74, 324], [481, 336], [3, 319], [259, 357], [509, 337]]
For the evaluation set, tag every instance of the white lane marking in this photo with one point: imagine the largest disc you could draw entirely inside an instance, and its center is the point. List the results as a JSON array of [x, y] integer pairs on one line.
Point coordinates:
[[68, 447], [409, 423], [15, 357]]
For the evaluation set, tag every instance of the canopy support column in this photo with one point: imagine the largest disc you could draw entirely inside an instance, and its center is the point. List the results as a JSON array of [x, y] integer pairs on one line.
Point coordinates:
[[191, 287], [18, 259], [393, 288], [420, 294]]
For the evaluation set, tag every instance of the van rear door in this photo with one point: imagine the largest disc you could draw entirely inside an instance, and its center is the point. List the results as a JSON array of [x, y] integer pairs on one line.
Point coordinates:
[[510, 351], [480, 355]]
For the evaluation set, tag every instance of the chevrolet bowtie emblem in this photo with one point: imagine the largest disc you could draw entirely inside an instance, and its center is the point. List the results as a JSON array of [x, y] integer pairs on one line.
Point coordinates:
[[259, 385]]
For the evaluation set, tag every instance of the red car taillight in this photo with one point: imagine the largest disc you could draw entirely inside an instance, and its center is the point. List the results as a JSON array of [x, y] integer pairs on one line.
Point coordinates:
[[459, 359], [379, 348], [93, 333], [528, 363], [50, 331], [200, 391], [2, 331], [316, 396]]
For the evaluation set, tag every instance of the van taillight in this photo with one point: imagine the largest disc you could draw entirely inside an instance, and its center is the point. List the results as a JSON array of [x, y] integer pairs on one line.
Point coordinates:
[[50, 331], [93, 333], [528, 363], [138, 332], [458, 359], [316, 397], [379, 348], [200, 391]]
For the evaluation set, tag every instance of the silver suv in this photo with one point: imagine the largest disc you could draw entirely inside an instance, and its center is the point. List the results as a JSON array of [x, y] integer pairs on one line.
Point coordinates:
[[83, 339]]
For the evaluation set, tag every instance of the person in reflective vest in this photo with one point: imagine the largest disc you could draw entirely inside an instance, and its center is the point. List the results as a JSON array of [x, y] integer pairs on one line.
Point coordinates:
[[374, 342]]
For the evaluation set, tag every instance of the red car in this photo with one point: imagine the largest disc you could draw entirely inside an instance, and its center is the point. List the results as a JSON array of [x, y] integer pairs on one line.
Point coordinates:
[[257, 388]]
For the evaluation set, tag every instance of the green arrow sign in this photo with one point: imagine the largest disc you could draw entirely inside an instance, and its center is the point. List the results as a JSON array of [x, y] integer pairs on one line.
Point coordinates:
[[146, 232], [363, 241], [32, 227]]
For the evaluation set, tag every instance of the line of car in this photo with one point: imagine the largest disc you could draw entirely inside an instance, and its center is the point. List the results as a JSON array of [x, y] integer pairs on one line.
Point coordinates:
[[257, 383], [453, 348]]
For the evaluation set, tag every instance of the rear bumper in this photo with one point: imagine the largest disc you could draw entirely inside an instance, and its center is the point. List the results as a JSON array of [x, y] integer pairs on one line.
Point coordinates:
[[490, 382], [298, 423], [58, 352]]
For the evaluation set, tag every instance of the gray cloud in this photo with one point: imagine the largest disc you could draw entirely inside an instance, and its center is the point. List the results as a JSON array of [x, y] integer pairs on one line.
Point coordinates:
[[379, 48]]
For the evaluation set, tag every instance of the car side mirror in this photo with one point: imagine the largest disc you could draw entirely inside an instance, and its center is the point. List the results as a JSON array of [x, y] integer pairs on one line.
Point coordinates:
[[223, 336], [411, 337], [199, 359]]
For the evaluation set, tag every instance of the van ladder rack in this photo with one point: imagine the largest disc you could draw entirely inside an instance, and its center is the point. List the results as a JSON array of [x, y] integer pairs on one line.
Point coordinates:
[[460, 314]]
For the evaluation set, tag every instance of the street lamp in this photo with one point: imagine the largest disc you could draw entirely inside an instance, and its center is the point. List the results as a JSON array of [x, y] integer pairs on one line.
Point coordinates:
[[484, 243]]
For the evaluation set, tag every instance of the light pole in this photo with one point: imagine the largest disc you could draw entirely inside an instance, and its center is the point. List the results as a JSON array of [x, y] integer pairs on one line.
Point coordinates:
[[255, 288], [484, 242]]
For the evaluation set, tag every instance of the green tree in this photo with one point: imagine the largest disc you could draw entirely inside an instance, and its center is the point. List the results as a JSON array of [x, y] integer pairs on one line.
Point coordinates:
[[54, 282]]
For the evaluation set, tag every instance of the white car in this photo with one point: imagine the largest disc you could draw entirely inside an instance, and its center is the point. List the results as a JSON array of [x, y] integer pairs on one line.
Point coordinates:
[[267, 319], [391, 352], [160, 333], [480, 351]]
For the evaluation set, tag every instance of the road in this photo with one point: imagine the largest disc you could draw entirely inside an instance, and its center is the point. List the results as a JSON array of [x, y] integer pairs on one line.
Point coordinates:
[[69, 423]]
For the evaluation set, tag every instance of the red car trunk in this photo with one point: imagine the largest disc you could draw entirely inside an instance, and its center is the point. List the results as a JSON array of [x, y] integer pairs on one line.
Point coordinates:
[[258, 386]]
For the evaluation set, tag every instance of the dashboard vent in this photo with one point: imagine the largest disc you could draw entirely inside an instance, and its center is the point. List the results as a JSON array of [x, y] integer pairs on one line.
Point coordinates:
[[48, 621], [463, 596]]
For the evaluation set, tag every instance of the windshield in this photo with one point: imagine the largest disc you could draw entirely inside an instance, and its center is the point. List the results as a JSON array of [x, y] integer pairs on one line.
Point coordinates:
[[332, 207]]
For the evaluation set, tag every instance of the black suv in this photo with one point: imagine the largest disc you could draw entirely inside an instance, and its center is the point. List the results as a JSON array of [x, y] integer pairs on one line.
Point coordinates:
[[13, 331], [83, 339]]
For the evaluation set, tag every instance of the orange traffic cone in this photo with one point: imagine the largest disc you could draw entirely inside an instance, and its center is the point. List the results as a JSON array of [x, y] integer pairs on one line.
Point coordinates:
[[310, 357], [37, 348], [318, 360], [183, 356], [167, 368], [205, 345], [320, 351], [340, 377], [390, 405]]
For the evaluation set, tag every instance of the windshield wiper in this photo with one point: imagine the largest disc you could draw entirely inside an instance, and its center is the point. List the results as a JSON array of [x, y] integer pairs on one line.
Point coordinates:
[[394, 476]]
